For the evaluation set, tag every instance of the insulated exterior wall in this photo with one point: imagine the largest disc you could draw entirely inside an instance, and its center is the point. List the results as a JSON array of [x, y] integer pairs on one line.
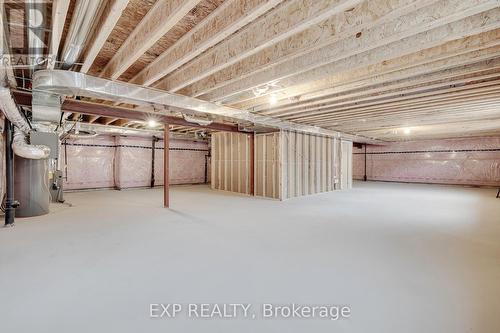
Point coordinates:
[[125, 162], [89, 163], [267, 165], [471, 161], [230, 162], [309, 164]]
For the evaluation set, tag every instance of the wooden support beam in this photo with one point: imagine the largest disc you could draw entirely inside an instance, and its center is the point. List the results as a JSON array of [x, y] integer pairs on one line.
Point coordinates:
[[440, 131], [59, 12], [164, 15], [397, 73], [252, 163], [342, 25], [90, 108], [286, 20], [436, 80], [229, 17], [432, 101], [446, 115], [421, 24], [386, 103], [92, 119], [166, 166], [361, 73], [112, 13]]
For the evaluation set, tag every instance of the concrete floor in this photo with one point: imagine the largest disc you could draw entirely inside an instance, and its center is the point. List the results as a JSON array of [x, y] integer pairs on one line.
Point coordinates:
[[405, 258]]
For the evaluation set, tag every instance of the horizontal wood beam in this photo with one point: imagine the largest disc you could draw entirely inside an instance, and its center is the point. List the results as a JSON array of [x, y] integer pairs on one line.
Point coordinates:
[[59, 12], [462, 129], [112, 13], [229, 17], [435, 80], [342, 25], [367, 112], [162, 17], [292, 17], [103, 110], [404, 26], [436, 44], [397, 99]]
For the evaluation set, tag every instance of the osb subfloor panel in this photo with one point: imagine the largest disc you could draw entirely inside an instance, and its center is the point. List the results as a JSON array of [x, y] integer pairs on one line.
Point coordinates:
[[406, 258]]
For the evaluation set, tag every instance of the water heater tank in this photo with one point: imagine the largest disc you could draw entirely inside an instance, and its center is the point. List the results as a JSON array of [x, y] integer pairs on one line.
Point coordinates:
[[31, 186]]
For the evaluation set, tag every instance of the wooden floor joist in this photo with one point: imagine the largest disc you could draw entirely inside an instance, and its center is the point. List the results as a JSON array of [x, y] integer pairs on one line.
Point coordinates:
[[463, 51], [366, 68], [164, 15], [290, 18]]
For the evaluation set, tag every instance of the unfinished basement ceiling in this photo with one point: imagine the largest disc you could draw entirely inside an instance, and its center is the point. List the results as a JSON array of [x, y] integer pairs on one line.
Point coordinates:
[[385, 69]]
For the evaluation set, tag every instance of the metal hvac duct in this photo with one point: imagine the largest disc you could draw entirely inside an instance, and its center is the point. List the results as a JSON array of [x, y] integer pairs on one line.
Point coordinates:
[[35, 11], [84, 16], [68, 83], [20, 144]]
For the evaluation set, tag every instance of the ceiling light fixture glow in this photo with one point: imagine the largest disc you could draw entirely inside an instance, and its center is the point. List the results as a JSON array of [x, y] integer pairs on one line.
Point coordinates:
[[152, 123], [273, 100]]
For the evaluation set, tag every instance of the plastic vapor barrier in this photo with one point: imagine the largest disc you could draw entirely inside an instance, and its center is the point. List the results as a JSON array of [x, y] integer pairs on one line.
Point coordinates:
[[127, 162], [474, 161]]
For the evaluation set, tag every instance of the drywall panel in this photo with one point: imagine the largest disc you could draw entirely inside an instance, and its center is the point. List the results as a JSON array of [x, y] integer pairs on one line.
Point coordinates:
[[230, 162], [267, 165], [471, 161], [309, 164]]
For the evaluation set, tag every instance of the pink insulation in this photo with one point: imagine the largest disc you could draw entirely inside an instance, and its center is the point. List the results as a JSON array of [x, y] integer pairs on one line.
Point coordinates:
[[89, 163], [125, 162], [472, 161]]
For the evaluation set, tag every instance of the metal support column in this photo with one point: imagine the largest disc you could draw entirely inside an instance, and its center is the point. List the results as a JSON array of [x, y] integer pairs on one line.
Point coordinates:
[[153, 150], [365, 178], [166, 180]]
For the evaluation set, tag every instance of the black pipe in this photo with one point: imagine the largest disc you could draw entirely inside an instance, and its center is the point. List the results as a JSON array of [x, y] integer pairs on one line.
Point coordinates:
[[206, 168], [155, 139], [10, 203], [365, 178]]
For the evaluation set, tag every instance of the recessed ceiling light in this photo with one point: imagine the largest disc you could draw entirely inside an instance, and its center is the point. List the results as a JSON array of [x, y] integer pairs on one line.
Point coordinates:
[[407, 131]]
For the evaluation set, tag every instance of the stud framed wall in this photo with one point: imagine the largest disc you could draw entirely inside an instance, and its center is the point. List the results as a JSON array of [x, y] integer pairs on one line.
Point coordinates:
[[345, 165], [231, 162], [309, 164], [268, 172], [287, 164]]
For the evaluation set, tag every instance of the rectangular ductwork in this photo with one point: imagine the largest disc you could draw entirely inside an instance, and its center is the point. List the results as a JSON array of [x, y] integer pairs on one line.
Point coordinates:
[[66, 83], [46, 108]]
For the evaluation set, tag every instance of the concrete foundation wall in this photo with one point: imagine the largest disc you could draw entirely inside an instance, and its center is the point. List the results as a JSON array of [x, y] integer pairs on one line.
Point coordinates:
[[125, 162], [472, 161]]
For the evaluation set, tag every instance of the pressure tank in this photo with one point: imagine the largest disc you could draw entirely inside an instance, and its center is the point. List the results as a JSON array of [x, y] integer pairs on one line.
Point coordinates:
[[31, 186]]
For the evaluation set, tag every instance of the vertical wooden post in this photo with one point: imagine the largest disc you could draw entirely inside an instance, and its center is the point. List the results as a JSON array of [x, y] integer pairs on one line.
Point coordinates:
[[166, 178], [252, 163]]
